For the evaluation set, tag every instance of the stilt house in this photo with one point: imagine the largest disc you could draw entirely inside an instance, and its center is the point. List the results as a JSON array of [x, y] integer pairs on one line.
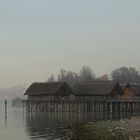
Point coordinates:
[[49, 91], [97, 89], [131, 90]]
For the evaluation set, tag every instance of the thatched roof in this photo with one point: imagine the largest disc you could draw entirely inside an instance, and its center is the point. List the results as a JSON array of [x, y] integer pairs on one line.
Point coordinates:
[[97, 88], [56, 88]]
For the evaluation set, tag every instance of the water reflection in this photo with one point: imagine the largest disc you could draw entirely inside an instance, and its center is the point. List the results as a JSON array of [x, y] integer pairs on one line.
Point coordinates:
[[54, 125], [5, 119], [18, 125], [48, 126]]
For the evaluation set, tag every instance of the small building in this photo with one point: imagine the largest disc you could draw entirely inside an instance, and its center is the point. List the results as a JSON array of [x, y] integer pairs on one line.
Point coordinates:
[[49, 91], [97, 89], [131, 90]]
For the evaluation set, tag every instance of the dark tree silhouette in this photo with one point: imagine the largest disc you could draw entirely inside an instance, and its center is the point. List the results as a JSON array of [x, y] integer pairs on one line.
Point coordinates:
[[125, 75]]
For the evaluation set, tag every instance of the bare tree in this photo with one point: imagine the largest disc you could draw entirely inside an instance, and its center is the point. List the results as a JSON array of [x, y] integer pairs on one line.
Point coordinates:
[[86, 74], [62, 75], [68, 76], [51, 79]]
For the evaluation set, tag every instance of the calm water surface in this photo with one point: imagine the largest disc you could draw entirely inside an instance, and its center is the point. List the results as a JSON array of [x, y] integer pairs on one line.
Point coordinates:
[[16, 125], [19, 125]]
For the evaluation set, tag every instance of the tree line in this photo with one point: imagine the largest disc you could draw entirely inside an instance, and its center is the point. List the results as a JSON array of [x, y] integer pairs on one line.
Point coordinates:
[[86, 74]]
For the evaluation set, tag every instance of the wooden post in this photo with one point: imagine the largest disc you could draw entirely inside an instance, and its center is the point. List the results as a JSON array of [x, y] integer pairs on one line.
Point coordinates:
[[110, 109], [116, 109], [5, 105], [95, 106]]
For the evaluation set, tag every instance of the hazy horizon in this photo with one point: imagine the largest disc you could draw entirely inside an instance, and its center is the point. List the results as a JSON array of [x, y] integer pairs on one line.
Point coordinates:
[[38, 38]]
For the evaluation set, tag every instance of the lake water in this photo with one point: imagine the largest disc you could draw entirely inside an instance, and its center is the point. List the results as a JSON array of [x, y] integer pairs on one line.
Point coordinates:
[[16, 125], [19, 125]]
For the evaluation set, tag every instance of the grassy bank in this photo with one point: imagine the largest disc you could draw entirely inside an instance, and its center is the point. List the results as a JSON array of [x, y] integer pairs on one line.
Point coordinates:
[[104, 131]]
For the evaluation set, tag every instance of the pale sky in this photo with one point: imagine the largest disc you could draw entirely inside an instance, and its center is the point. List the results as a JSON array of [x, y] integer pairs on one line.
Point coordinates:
[[39, 37]]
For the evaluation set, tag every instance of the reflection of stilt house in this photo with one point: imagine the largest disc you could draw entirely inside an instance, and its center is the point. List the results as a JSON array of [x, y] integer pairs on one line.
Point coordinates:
[[131, 90], [97, 89]]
